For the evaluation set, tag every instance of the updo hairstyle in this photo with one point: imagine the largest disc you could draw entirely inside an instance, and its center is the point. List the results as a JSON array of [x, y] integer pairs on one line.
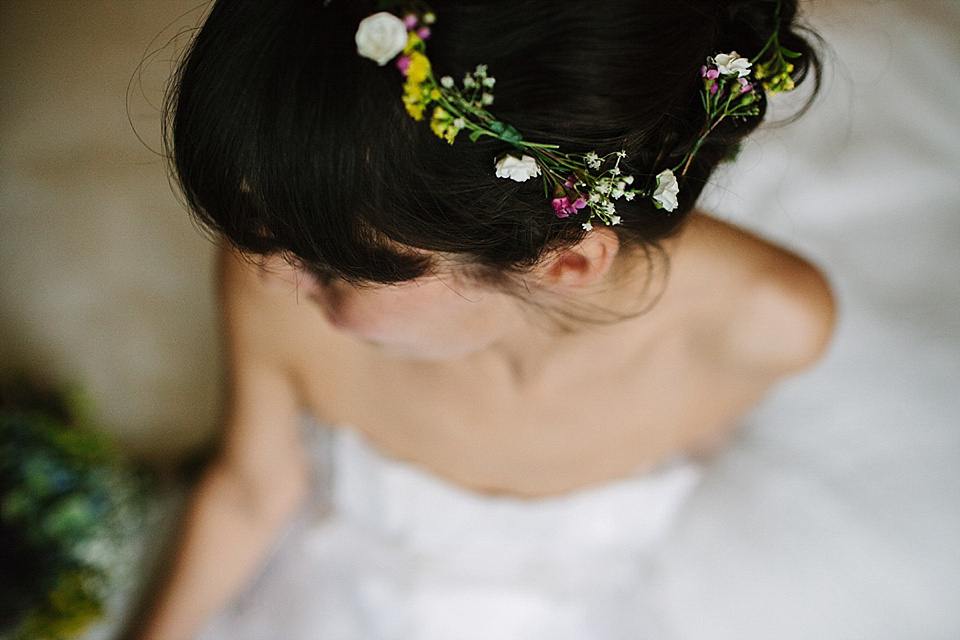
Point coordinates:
[[284, 140]]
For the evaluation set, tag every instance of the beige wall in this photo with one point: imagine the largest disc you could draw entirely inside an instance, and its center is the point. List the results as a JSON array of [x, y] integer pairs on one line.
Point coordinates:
[[103, 279]]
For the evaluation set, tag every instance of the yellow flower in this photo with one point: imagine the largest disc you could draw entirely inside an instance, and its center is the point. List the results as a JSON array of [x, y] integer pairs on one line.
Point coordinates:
[[419, 68], [780, 83], [413, 41], [775, 77], [415, 99], [442, 125]]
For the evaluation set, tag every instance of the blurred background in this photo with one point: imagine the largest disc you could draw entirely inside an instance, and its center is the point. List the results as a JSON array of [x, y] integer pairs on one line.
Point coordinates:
[[104, 282]]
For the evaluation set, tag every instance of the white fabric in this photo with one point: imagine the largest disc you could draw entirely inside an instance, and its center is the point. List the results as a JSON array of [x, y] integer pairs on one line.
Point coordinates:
[[836, 516], [401, 554]]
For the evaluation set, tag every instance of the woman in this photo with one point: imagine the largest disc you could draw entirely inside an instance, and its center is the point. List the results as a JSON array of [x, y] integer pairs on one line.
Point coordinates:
[[536, 311]]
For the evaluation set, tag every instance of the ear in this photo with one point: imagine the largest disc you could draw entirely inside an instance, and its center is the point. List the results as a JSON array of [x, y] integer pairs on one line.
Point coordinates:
[[585, 263]]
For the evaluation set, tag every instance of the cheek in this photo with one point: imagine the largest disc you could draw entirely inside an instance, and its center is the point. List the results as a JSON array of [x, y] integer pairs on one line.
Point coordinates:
[[415, 313], [368, 313]]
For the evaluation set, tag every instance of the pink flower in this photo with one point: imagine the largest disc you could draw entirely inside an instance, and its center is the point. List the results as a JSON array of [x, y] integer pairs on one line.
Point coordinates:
[[410, 20], [711, 74], [423, 32], [563, 207], [713, 89], [403, 63]]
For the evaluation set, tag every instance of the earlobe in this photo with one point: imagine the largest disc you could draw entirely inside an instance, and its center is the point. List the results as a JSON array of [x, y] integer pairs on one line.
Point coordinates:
[[585, 263]]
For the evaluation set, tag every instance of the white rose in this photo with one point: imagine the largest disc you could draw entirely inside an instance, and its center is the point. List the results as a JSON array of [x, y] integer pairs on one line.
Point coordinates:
[[732, 64], [667, 190], [518, 169], [381, 37]]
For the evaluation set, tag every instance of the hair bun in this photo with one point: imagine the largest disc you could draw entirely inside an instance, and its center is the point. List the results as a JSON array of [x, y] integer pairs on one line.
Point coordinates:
[[747, 26]]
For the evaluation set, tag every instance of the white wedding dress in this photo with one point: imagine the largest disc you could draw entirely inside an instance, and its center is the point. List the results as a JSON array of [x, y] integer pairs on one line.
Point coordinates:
[[836, 515], [398, 553]]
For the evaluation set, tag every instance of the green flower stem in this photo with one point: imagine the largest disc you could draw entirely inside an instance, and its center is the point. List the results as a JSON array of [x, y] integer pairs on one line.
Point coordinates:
[[774, 37]]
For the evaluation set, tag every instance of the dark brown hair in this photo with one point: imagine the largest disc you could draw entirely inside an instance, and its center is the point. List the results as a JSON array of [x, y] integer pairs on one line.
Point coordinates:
[[283, 139]]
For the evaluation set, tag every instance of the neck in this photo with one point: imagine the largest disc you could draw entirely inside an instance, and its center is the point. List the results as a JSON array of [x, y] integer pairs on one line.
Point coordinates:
[[594, 329]]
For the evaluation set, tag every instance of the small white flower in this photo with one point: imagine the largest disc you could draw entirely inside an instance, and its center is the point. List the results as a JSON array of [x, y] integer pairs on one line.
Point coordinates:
[[517, 169], [486, 99], [429, 18], [629, 195], [447, 82], [459, 123], [617, 193], [621, 154], [615, 171], [592, 160], [628, 179], [731, 63], [469, 82], [381, 37], [594, 198], [667, 189], [614, 220], [489, 81], [587, 226], [481, 70]]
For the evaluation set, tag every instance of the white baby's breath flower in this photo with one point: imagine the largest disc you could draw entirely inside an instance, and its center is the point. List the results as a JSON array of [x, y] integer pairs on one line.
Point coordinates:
[[628, 179], [459, 123], [486, 99], [469, 82], [729, 64], [592, 160], [381, 37], [481, 70], [587, 226], [629, 195], [489, 81], [517, 169], [447, 82], [667, 189], [614, 220], [429, 18]]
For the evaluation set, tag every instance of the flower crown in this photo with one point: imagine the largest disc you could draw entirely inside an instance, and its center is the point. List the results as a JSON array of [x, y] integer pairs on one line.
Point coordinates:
[[571, 181]]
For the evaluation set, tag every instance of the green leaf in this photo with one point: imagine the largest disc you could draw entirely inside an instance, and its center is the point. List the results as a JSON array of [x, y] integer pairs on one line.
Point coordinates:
[[511, 135]]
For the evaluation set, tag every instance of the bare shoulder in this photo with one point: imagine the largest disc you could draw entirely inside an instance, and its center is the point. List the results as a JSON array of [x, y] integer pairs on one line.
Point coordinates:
[[779, 308], [264, 316], [271, 325], [263, 325]]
